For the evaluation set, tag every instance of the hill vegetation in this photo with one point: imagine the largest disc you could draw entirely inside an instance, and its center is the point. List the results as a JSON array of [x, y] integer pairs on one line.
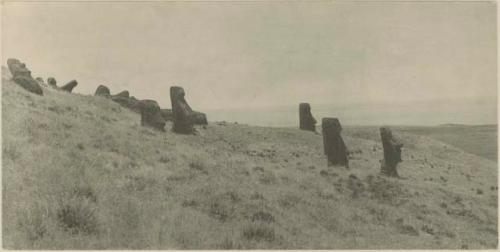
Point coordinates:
[[79, 172]]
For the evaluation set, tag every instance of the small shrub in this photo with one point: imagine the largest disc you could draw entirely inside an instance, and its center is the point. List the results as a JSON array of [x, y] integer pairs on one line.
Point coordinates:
[[164, 159], [259, 233], [220, 211], [228, 244], [263, 217], [198, 164], [288, 200], [267, 178], [76, 211]]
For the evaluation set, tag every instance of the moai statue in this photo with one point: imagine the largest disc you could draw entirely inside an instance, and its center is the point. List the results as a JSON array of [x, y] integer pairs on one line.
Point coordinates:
[[124, 94], [69, 86], [22, 76], [151, 115], [392, 153], [334, 146], [52, 82], [182, 114], [102, 91], [306, 120]]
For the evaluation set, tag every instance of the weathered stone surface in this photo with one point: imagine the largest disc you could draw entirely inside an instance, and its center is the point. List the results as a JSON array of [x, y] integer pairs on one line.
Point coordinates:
[[102, 91], [167, 114], [69, 86], [392, 152], [52, 82], [306, 120], [334, 146], [151, 115], [199, 118], [183, 118], [22, 76], [123, 94]]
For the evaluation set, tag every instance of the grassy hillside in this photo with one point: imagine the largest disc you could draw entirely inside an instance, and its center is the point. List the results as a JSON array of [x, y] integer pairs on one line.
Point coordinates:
[[79, 172]]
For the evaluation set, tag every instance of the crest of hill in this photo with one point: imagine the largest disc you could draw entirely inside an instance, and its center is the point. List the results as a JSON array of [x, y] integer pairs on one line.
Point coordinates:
[[229, 187]]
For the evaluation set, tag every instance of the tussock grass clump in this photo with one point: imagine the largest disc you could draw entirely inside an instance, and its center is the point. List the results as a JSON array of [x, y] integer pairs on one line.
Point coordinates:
[[76, 212]]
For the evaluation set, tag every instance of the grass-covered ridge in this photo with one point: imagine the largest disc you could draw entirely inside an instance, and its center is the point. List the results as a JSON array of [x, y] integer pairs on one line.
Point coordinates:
[[79, 172]]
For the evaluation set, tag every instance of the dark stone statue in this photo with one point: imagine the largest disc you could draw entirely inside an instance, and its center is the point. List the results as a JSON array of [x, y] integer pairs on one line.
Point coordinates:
[[392, 153], [306, 120], [123, 94], [22, 76], [183, 118], [69, 86], [334, 146], [151, 115], [102, 91], [52, 82]]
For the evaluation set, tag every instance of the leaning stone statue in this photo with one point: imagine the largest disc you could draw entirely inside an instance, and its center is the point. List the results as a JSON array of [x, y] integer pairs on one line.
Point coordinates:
[[22, 76], [69, 86], [306, 120], [334, 146], [151, 115], [183, 117], [124, 94], [392, 153]]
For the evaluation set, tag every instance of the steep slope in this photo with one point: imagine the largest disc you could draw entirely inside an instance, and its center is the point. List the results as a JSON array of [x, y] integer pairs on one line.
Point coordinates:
[[80, 172]]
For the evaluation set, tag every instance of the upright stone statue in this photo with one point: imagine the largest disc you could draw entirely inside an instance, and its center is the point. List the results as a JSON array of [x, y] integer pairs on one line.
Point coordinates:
[[22, 76], [69, 86], [306, 120], [102, 91], [392, 153], [334, 146], [183, 118], [151, 115]]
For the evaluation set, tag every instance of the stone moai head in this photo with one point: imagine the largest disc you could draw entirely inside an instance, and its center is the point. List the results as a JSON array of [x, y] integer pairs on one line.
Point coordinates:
[[52, 82], [304, 108], [183, 118], [69, 86], [102, 91], [151, 114], [22, 76], [306, 120], [18, 69], [331, 124], [385, 133]]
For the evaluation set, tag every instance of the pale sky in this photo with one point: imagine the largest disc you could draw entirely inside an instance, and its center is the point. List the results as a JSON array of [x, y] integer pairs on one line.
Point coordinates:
[[253, 54]]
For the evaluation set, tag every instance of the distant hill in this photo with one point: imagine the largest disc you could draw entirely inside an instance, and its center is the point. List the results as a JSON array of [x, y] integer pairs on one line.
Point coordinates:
[[79, 172]]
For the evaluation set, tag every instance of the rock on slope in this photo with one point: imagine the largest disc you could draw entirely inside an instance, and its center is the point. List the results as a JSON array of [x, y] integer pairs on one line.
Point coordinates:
[[79, 172]]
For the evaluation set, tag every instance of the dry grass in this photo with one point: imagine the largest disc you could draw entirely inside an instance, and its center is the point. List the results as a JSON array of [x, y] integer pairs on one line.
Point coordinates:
[[79, 172]]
